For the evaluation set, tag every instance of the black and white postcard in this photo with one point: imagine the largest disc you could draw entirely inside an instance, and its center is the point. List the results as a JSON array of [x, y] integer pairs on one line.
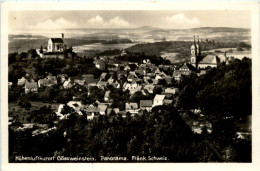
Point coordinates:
[[123, 86]]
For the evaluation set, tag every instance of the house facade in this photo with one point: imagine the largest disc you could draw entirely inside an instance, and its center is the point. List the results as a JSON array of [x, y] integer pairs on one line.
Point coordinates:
[[131, 108], [31, 87], [158, 100], [146, 105]]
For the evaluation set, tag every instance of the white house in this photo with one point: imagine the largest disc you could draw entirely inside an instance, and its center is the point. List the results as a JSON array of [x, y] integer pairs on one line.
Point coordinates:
[[67, 84], [102, 109], [106, 97], [158, 100], [76, 105], [171, 90], [134, 87], [131, 108], [59, 114], [22, 81]]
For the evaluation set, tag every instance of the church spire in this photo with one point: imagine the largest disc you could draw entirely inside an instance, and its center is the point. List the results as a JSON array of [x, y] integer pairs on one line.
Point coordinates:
[[195, 46], [198, 45]]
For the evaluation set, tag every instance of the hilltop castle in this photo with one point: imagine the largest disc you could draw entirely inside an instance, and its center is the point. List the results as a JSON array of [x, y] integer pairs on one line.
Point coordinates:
[[200, 61]]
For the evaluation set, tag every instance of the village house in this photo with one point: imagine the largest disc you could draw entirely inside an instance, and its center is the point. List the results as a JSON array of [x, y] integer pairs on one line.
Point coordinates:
[[106, 96], [10, 84], [102, 109], [131, 108], [167, 102], [158, 100], [90, 80], [100, 64], [130, 67], [146, 105], [186, 69], [110, 80], [46, 82], [92, 111], [167, 95], [103, 76], [132, 87], [109, 110], [228, 59], [146, 61], [59, 114], [140, 71], [67, 84], [79, 82], [62, 77], [159, 76], [101, 84], [177, 75], [121, 74], [31, 87], [170, 90], [76, 105], [131, 77], [112, 68], [21, 81], [116, 84], [156, 70], [51, 77], [149, 88]]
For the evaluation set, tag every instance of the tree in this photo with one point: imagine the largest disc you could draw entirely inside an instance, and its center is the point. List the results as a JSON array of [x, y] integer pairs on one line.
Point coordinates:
[[24, 104], [66, 109], [41, 49], [157, 90]]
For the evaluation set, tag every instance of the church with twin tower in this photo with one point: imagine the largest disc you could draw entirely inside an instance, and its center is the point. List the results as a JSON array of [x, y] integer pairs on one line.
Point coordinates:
[[200, 61]]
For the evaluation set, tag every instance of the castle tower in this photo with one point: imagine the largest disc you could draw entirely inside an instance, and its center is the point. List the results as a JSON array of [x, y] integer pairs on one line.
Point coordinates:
[[194, 54]]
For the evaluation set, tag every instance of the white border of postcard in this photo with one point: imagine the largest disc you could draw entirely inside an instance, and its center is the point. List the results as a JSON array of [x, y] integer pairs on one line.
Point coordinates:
[[154, 5]]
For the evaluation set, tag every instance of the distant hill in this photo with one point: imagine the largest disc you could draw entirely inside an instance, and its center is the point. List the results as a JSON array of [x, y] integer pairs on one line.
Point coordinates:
[[221, 29], [145, 34]]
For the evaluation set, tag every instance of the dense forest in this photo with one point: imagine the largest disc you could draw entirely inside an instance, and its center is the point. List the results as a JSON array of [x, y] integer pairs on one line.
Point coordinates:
[[160, 133], [223, 91], [139, 57]]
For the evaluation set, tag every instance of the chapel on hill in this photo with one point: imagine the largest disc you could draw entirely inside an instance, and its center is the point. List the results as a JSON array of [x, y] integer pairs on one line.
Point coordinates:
[[56, 44]]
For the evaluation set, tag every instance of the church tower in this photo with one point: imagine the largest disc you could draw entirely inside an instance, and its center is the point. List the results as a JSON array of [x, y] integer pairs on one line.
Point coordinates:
[[193, 59]]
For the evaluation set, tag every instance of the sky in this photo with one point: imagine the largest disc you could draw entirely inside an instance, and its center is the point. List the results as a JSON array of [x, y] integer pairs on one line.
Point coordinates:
[[20, 21]]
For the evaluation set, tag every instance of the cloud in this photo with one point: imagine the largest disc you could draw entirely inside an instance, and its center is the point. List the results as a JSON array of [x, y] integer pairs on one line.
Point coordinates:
[[116, 22], [180, 21], [97, 20], [49, 24]]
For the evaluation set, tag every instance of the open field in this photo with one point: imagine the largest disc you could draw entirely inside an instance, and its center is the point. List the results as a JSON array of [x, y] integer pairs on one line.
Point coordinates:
[[101, 47], [35, 105]]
